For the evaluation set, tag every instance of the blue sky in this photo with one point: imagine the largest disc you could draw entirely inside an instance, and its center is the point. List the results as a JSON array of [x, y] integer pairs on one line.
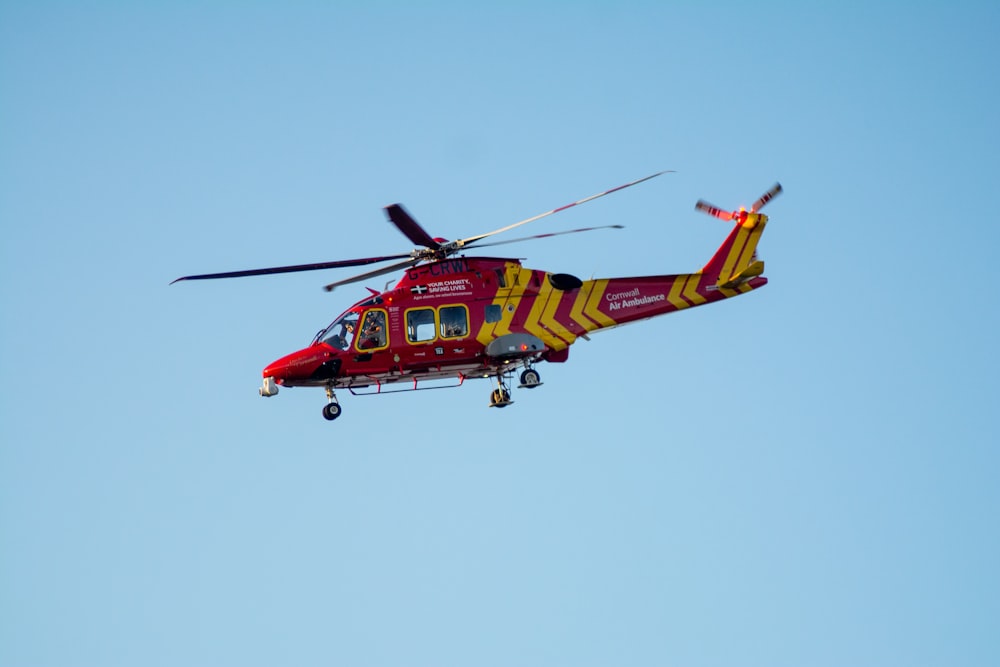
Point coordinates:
[[802, 476]]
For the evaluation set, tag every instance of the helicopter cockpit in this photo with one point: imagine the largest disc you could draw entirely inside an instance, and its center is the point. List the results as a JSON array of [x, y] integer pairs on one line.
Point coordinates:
[[340, 334]]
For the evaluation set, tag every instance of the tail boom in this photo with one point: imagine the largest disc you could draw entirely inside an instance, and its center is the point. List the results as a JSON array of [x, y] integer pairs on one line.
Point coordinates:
[[532, 302], [733, 270], [559, 317], [617, 301]]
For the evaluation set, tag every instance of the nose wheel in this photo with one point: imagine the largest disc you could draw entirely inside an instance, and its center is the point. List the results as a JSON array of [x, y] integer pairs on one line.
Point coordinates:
[[332, 409], [500, 397]]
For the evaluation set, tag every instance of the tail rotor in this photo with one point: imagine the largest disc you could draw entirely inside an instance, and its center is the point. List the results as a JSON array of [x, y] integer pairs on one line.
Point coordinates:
[[741, 213]]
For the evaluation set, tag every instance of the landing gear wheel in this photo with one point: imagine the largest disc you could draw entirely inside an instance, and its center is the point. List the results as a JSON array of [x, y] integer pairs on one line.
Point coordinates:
[[331, 411], [530, 379], [500, 398]]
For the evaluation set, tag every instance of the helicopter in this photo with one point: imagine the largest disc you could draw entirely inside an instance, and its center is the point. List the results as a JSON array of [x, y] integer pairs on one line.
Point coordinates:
[[453, 317]]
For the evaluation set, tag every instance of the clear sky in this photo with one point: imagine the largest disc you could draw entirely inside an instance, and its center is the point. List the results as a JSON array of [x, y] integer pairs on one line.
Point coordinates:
[[806, 475]]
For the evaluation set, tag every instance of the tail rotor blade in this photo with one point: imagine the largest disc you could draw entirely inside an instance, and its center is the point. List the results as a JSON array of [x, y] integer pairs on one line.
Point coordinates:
[[766, 197], [705, 207]]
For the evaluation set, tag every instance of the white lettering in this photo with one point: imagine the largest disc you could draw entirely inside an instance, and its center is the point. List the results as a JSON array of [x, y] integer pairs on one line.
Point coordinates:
[[622, 295], [445, 286], [623, 302]]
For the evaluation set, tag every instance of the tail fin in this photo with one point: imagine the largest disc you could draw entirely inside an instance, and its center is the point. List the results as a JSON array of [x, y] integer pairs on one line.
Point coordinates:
[[736, 259]]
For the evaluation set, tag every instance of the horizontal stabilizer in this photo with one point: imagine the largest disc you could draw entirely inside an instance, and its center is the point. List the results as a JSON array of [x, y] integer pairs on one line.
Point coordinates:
[[753, 270]]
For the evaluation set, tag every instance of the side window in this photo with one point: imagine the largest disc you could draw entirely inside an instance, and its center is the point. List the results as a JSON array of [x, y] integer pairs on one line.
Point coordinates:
[[372, 335], [454, 321], [420, 325], [493, 313]]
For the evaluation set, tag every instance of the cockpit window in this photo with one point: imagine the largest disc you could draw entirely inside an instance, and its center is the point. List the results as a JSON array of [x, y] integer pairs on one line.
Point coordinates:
[[372, 331], [341, 333]]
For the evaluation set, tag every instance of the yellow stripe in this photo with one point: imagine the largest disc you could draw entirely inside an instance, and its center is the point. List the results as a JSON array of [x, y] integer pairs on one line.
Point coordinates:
[[489, 330], [576, 312], [674, 297], [537, 308], [515, 292], [747, 253], [549, 321], [502, 328], [734, 253], [485, 334], [531, 322], [593, 301], [691, 290]]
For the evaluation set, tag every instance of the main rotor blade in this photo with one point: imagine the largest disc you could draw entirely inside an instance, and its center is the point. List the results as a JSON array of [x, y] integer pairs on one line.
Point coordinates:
[[473, 239], [704, 206], [766, 197], [292, 269], [411, 229], [392, 268], [542, 236]]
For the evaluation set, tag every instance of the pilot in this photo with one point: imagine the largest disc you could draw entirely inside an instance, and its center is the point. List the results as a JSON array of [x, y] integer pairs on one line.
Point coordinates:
[[342, 340], [372, 335]]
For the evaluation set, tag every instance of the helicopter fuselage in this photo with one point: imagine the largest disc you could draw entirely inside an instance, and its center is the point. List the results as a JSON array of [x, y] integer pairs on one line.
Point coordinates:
[[483, 317], [456, 317]]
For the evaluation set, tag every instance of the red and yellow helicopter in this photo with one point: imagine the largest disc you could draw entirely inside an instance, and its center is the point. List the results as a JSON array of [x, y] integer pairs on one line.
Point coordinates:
[[454, 317]]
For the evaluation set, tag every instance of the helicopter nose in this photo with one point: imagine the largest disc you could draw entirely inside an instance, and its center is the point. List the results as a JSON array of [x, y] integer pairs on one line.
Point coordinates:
[[278, 370], [306, 365]]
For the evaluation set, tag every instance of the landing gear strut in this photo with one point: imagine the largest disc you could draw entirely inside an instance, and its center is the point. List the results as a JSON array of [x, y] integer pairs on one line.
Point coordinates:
[[500, 398], [332, 409]]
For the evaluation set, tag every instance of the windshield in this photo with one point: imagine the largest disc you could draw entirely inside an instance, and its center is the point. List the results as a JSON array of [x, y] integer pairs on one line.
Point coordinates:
[[340, 333]]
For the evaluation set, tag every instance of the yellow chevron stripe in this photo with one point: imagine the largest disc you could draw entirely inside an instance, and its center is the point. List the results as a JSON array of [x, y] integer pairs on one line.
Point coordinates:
[[485, 334], [734, 253], [502, 328], [514, 274], [691, 290], [593, 301], [674, 296], [537, 308], [503, 298], [747, 253], [576, 312], [549, 321], [728, 291], [531, 322]]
